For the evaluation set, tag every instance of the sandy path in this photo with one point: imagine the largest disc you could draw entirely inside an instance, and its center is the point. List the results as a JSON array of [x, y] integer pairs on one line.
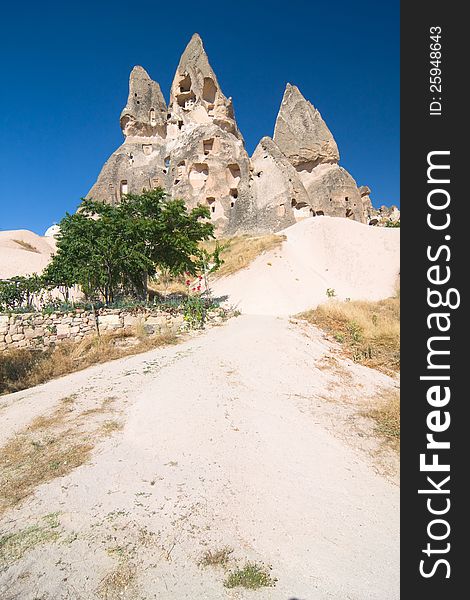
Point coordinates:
[[230, 439]]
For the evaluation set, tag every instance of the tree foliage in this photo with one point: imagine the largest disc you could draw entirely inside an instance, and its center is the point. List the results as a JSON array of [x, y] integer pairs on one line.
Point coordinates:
[[110, 251]]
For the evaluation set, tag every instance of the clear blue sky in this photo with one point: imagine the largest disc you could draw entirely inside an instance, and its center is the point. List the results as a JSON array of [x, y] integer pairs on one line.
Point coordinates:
[[65, 68]]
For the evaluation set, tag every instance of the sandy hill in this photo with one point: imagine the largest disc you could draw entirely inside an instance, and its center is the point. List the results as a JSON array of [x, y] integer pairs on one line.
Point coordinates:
[[23, 252], [355, 260]]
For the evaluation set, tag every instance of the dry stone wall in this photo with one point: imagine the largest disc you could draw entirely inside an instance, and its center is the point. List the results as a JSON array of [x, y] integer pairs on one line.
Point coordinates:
[[37, 330]]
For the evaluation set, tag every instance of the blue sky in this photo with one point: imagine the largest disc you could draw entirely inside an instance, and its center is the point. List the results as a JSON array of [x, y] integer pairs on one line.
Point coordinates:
[[65, 69]]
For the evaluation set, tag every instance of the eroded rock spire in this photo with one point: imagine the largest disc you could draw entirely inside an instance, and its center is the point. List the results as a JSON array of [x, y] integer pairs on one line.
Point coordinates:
[[301, 133], [196, 96], [145, 111]]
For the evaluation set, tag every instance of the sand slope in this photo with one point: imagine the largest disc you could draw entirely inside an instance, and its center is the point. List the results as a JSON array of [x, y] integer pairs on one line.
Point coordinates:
[[18, 259], [357, 261]]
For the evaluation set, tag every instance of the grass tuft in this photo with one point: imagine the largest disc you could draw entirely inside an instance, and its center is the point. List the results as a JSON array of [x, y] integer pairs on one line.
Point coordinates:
[[386, 415], [216, 558], [27, 246], [252, 576], [117, 582]]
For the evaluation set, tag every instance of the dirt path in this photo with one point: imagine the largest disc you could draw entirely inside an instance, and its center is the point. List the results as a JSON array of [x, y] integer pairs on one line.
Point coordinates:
[[230, 439]]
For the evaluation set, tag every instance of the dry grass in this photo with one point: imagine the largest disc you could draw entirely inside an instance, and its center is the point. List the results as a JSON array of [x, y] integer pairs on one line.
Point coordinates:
[[51, 446], [369, 332], [24, 368], [27, 246], [166, 284], [216, 558], [239, 252], [386, 414], [119, 582]]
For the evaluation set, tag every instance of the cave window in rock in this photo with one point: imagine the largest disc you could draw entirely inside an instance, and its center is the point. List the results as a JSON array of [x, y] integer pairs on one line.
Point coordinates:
[[186, 99], [302, 210], [185, 83], [209, 90], [152, 117], [312, 212], [293, 203], [320, 213], [349, 213], [180, 125], [131, 158], [211, 202], [208, 146], [167, 161], [234, 193], [347, 199], [281, 210], [124, 187], [147, 149], [308, 166], [180, 169], [233, 174], [198, 175], [232, 204]]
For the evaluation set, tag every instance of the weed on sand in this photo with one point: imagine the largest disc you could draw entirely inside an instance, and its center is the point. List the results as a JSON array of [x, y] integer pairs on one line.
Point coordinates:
[[252, 576]]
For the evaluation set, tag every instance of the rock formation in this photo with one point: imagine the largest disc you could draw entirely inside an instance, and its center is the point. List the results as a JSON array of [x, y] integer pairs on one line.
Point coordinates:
[[194, 150]]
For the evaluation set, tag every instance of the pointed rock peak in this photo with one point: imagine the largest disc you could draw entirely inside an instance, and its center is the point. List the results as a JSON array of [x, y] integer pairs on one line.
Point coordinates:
[[301, 133], [145, 111], [195, 95], [138, 72], [195, 56]]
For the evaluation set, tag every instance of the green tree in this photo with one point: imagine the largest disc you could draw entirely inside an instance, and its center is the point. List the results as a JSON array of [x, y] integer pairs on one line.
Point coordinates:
[[111, 250]]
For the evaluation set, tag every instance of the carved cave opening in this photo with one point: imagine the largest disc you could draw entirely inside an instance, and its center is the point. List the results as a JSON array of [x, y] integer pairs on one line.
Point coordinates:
[[208, 146], [211, 202], [185, 83], [209, 90], [198, 175]]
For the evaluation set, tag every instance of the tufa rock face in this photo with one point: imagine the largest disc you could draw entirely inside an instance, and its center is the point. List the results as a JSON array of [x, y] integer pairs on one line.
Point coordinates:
[[194, 150], [302, 134], [145, 111]]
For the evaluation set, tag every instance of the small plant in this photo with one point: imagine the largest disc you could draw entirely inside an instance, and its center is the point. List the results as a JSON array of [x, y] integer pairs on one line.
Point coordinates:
[[252, 576], [330, 292], [216, 558], [354, 331], [195, 312]]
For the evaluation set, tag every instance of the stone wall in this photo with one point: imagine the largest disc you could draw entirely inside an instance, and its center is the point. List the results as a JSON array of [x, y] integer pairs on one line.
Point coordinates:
[[37, 330]]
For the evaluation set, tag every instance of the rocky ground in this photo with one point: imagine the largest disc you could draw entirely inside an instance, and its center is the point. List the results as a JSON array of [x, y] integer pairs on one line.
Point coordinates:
[[249, 437]]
